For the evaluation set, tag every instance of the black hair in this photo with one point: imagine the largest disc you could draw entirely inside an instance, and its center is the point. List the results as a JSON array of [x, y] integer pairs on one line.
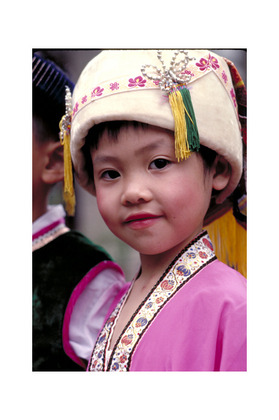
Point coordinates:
[[113, 128], [208, 156]]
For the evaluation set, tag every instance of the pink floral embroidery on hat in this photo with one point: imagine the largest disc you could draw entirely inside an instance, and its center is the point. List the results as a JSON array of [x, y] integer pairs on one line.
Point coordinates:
[[75, 109], [224, 77], [98, 91], [84, 99], [114, 86], [233, 96], [164, 99], [137, 81], [205, 64], [188, 72]]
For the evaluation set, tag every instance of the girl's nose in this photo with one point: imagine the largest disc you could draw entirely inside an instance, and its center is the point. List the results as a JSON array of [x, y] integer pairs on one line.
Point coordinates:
[[135, 191]]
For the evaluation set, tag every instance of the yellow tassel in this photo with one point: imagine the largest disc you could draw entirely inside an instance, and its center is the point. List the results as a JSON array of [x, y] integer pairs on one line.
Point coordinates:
[[69, 192], [182, 150], [229, 239]]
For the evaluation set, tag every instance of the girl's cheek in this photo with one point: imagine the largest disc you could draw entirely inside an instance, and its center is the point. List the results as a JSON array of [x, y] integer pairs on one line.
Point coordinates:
[[104, 204], [99, 200]]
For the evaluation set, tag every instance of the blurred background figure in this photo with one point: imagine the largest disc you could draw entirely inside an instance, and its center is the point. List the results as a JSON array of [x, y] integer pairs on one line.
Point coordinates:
[[62, 258]]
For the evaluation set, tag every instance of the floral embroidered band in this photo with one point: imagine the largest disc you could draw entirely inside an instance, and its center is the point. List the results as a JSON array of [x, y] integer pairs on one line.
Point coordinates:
[[195, 69]]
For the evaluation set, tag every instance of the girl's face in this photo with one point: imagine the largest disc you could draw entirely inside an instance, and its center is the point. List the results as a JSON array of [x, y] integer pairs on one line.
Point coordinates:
[[148, 199]]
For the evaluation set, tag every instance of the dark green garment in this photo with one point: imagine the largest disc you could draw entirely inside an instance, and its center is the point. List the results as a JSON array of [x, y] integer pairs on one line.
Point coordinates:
[[57, 268]]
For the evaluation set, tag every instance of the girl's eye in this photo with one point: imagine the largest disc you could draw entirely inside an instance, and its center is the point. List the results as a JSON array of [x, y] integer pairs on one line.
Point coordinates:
[[159, 163], [110, 175]]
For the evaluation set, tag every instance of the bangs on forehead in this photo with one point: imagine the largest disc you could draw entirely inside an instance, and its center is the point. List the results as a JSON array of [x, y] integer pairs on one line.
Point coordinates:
[[112, 128]]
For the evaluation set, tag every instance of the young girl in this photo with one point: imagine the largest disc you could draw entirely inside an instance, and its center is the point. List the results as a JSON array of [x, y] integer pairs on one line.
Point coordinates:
[[154, 136]]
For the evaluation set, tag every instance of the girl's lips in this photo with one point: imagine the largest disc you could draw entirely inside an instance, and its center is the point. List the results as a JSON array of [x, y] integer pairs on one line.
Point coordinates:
[[140, 221]]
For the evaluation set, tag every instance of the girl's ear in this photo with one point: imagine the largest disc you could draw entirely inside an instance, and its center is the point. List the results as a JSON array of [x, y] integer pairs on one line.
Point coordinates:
[[222, 173], [54, 168]]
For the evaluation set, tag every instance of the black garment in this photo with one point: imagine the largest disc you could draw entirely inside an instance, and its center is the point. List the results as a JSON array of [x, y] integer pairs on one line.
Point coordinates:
[[57, 268]]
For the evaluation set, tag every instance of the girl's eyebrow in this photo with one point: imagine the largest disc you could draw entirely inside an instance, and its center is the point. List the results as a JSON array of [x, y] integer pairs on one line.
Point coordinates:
[[105, 159], [152, 146]]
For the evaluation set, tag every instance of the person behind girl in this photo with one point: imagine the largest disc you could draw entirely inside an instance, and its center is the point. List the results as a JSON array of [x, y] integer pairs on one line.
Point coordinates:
[[154, 136], [66, 264]]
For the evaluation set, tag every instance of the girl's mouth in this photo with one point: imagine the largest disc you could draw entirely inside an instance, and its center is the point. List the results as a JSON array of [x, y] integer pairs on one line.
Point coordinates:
[[141, 220]]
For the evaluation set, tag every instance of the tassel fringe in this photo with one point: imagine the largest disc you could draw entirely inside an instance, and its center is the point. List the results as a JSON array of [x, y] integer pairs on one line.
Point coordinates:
[[182, 150], [230, 242], [192, 128], [186, 131], [69, 192]]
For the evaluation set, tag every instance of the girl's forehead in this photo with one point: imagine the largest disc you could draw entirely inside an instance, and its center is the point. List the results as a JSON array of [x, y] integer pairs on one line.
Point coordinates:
[[131, 130], [132, 143]]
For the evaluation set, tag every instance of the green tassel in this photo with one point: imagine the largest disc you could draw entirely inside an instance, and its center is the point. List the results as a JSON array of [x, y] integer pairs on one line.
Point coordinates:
[[192, 128]]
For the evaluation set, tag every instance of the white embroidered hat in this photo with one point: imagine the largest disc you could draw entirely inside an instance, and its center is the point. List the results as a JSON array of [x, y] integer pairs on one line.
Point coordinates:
[[112, 87]]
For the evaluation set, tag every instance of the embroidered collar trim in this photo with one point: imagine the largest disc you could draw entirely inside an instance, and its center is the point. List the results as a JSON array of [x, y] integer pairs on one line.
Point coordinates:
[[189, 262]]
